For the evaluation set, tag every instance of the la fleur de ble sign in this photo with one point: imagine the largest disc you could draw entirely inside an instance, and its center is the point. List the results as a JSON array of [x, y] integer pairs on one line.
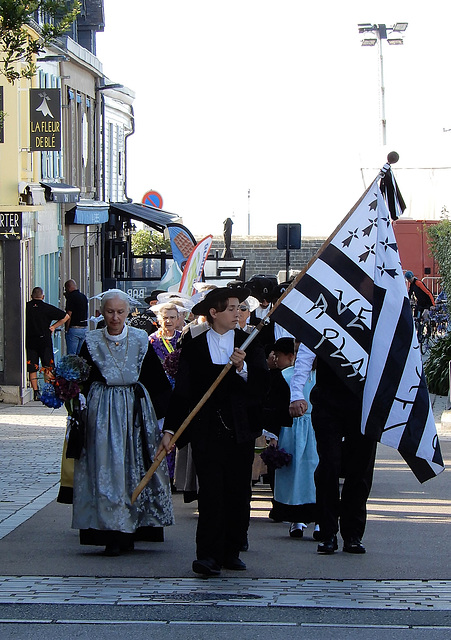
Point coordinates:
[[45, 120]]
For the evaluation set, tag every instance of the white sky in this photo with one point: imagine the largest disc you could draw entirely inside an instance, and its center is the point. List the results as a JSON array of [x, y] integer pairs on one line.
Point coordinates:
[[280, 98]]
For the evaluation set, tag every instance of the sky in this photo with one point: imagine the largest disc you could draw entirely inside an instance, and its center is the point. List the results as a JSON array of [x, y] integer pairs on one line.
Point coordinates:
[[281, 99]]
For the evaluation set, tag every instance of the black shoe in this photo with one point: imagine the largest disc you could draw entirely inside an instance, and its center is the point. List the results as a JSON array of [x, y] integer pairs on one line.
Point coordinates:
[[328, 545], [206, 567], [234, 564], [112, 550], [353, 545], [36, 395]]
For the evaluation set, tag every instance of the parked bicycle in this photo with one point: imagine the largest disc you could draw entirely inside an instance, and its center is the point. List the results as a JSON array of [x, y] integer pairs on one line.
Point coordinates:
[[439, 319], [423, 328]]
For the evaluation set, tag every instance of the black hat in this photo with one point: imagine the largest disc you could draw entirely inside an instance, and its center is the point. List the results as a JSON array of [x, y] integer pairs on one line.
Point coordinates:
[[261, 287], [284, 345], [277, 291], [235, 284], [153, 296], [217, 295]]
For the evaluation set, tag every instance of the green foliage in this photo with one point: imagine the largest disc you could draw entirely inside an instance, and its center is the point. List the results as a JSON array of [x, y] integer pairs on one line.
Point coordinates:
[[439, 238], [16, 44], [145, 241], [436, 367]]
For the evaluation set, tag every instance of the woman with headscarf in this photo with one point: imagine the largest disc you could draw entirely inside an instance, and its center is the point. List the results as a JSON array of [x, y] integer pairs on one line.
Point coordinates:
[[122, 436]]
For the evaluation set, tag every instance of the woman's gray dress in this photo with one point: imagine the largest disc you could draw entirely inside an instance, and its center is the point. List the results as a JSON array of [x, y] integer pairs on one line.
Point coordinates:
[[122, 438]]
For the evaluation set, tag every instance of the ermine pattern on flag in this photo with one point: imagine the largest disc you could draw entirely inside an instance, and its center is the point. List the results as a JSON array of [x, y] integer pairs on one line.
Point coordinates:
[[351, 308]]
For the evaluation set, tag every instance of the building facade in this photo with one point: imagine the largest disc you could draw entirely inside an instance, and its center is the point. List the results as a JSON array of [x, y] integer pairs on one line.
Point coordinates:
[[61, 137]]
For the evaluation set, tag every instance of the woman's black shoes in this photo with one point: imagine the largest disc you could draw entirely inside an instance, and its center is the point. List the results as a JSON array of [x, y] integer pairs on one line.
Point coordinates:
[[112, 550]]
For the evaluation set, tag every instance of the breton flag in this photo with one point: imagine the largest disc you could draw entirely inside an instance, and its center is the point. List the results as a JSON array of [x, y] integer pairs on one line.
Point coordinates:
[[350, 306]]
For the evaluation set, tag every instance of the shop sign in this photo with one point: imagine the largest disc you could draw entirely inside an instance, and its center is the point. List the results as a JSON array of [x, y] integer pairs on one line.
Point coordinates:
[[45, 120], [10, 226]]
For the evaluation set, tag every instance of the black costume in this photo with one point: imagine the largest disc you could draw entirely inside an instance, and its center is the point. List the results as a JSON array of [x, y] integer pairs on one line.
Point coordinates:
[[222, 437], [343, 452]]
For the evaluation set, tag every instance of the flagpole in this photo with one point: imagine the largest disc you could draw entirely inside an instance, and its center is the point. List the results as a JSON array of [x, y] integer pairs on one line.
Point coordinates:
[[393, 157], [161, 456]]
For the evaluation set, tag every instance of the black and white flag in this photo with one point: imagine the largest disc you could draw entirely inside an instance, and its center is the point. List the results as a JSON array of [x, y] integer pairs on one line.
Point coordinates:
[[351, 308]]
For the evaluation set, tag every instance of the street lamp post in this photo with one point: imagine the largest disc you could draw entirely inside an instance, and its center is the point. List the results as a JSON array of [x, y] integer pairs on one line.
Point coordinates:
[[381, 31]]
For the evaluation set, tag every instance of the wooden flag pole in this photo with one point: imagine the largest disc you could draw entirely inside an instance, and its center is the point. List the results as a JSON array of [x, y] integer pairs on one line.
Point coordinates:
[[161, 456]]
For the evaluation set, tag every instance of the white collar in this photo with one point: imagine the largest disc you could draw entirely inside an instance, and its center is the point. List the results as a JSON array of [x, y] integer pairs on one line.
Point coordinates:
[[117, 338], [221, 336]]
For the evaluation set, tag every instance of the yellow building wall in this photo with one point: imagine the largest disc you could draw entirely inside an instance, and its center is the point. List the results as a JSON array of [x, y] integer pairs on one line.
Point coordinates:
[[17, 163]]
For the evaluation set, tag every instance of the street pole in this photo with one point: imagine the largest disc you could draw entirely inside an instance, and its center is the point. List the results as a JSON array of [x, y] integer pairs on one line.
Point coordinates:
[[381, 31], [382, 87], [287, 255], [249, 212]]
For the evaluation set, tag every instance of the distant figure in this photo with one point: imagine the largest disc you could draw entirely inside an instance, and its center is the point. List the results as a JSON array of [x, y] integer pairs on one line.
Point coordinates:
[[227, 253], [424, 297], [77, 310], [39, 346]]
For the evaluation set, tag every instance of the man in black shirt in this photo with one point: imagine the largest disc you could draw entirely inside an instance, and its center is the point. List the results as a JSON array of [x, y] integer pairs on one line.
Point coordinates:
[[39, 346], [77, 309]]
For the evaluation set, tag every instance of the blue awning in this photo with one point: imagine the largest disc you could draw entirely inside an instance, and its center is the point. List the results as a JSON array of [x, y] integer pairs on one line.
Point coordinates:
[[88, 212]]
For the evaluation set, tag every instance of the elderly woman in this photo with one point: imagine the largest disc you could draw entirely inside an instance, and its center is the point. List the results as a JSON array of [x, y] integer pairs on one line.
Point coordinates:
[[122, 436], [164, 340], [244, 312], [164, 343]]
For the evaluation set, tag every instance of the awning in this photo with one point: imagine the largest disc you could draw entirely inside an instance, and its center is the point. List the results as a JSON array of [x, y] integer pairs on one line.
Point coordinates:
[[155, 218], [88, 212], [31, 193], [60, 192]]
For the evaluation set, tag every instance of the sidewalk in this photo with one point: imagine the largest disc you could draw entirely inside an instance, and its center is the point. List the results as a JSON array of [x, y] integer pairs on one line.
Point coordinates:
[[31, 438]]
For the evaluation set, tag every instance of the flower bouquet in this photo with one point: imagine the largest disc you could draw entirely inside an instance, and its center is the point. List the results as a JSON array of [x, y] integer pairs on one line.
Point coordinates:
[[275, 458], [64, 387]]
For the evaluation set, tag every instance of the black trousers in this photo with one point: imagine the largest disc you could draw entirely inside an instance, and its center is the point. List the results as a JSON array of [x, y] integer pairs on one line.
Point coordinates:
[[343, 452], [224, 472]]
